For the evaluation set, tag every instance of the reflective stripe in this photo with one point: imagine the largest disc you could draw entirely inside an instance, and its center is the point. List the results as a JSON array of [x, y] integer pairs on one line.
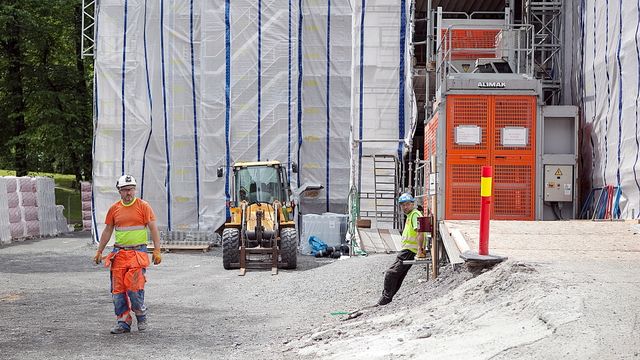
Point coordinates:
[[131, 237], [127, 228], [409, 234], [485, 186]]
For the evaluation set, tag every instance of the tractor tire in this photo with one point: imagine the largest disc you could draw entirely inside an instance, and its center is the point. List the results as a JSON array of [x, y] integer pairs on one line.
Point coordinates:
[[230, 248], [289, 248]]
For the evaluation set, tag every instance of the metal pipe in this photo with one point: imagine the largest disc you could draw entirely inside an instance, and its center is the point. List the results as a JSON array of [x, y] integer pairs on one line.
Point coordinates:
[[428, 49]]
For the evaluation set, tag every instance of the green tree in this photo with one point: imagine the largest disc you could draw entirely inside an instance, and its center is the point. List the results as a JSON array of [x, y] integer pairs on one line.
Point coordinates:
[[45, 87], [11, 41]]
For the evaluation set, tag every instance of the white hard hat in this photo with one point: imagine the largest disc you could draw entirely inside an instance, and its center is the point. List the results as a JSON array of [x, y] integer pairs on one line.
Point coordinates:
[[125, 180]]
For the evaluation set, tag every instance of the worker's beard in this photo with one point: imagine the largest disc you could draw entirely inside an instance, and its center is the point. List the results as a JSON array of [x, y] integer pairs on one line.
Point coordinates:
[[127, 199]]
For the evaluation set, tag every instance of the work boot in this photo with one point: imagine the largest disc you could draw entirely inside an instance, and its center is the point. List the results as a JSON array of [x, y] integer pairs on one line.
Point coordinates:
[[142, 325], [384, 301], [119, 329]]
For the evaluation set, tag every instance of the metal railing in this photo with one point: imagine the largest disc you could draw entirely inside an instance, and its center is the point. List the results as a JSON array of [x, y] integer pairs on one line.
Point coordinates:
[[512, 44]]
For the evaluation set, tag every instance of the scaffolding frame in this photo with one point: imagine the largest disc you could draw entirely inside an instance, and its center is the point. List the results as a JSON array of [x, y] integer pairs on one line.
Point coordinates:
[[88, 36], [546, 18]]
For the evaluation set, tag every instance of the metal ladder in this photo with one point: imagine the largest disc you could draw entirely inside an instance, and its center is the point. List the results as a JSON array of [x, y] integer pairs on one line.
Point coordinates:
[[385, 173]]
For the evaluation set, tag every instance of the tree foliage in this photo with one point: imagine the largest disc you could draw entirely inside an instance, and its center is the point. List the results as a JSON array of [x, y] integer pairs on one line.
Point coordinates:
[[45, 88]]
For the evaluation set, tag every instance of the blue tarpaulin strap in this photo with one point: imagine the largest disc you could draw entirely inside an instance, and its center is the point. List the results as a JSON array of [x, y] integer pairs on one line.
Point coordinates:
[[227, 90], [95, 128], [166, 120], [289, 102], [606, 117], [635, 163], [195, 114], [259, 70], [620, 96], [327, 191], [361, 97], [403, 31], [124, 68], [595, 92], [300, 69], [146, 69]]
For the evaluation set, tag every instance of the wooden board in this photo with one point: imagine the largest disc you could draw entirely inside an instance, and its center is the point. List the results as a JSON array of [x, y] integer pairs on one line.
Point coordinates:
[[371, 242], [450, 245], [391, 238]]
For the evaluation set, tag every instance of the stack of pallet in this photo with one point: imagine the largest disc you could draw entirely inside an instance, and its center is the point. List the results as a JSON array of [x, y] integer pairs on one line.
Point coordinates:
[[16, 220], [46, 202], [5, 225], [27, 208], [85, 195]]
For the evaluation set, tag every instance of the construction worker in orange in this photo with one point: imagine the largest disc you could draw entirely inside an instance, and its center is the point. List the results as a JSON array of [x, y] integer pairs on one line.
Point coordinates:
[[412, 247], [132, 219]]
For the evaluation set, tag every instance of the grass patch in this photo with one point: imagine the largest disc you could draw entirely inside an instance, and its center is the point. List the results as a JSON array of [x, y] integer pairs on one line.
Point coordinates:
[[66, 194]]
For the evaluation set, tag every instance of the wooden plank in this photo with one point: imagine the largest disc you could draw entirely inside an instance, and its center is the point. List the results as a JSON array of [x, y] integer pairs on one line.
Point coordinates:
[[371, 241], [460, 240], [397, 239], [387, 240], [450, 245]]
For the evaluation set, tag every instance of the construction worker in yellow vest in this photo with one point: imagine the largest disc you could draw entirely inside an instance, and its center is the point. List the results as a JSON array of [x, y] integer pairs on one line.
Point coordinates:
[[412, 247], [132, 219]]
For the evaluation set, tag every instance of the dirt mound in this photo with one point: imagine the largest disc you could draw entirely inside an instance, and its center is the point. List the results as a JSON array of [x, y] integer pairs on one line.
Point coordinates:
[[456, 316]]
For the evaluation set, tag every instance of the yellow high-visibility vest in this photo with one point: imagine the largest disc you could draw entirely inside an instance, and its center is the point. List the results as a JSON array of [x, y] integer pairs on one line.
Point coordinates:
[[409, 233]]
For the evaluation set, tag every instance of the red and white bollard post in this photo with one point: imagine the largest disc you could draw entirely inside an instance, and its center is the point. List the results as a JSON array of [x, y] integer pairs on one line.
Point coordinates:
[[482, 257]]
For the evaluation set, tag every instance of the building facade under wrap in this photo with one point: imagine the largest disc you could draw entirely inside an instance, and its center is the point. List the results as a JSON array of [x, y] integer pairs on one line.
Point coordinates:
[[183, 87]]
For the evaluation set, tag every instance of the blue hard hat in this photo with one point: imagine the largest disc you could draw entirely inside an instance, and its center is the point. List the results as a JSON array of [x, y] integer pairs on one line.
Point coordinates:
[[406, 197]]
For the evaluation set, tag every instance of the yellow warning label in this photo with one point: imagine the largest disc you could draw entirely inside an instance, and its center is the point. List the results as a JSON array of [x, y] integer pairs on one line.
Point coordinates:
[[558, 172]]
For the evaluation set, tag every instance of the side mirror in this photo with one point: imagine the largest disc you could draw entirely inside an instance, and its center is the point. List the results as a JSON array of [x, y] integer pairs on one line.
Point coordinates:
[[294, 167], [220, 171]]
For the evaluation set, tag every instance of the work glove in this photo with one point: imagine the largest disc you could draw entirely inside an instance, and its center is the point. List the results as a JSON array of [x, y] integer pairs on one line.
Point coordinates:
[[156, 257], [421, 254], [98, 257]]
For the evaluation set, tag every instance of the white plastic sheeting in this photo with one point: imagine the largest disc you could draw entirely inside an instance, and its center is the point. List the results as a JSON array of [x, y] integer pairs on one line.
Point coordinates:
[[609, 86], [326, 93], [185, 86], [382, 86], [178, 97]]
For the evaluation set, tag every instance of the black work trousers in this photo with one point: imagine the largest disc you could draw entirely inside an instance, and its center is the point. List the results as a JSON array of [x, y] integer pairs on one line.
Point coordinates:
[[394, 276]]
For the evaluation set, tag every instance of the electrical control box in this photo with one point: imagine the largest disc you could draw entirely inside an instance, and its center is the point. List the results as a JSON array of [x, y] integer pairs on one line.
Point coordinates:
[[558, 182]]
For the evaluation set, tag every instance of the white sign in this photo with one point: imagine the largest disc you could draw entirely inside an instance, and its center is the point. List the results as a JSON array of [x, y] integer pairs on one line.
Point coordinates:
[[432, 184], [513, 136], [491, 84], [468, 135]]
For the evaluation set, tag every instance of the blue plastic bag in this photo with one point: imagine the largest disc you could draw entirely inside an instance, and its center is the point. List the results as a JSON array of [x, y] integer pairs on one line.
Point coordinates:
[[317, 245]]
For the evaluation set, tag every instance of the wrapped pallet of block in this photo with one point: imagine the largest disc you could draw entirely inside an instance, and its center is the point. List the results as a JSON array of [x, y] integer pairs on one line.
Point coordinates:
[[5, 232], [85, 195], [17, 226], [47, 211], [29, 205]]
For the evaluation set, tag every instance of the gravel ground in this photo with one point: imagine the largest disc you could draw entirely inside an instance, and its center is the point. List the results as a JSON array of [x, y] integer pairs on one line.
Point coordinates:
[[568, 291], [56, 304]]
